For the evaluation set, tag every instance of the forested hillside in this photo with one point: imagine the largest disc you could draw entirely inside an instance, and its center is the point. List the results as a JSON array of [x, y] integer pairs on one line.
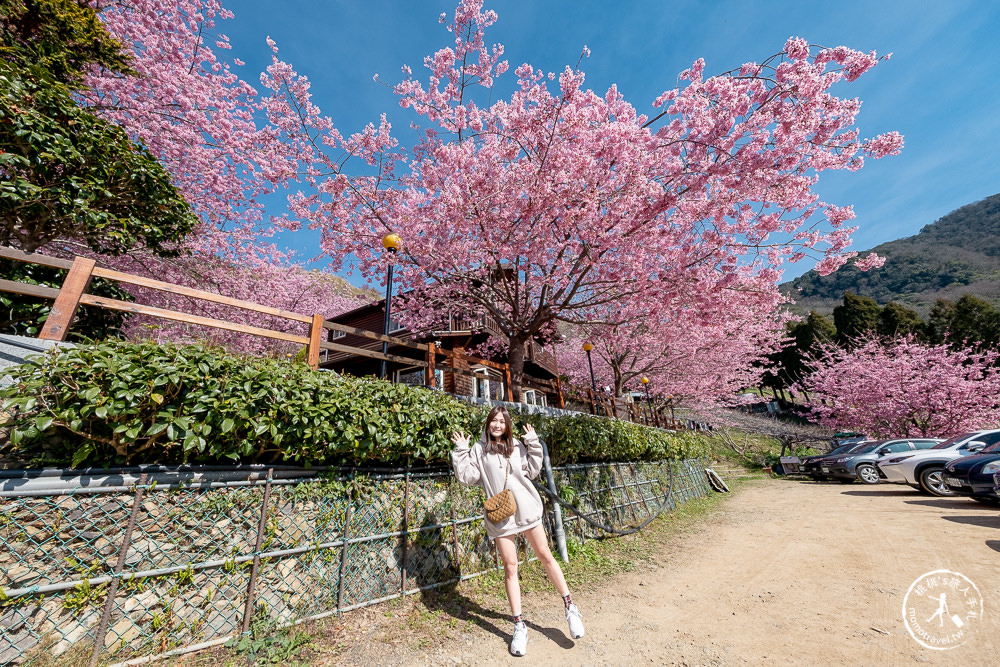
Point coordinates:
[[956, 255]]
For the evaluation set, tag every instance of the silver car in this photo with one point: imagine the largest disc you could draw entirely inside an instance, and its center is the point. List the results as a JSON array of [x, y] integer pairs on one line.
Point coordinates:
[[924, 470], [861, 463]]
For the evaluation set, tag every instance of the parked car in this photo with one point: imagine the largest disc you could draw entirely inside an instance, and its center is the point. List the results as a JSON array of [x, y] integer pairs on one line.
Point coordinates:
[[813, 465], [860, 464], [924, 470], [973, 475]]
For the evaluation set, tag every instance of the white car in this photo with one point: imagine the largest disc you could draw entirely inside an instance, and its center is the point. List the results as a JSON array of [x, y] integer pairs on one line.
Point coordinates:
[[924, 469]]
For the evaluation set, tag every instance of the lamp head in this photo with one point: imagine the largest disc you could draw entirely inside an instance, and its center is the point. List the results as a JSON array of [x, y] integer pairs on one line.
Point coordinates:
[[391, 242], [587, 347], [644, 380]]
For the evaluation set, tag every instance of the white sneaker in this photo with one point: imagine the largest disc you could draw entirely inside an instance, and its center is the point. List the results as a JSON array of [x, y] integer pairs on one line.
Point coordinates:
[[519, 644], [575, 620]]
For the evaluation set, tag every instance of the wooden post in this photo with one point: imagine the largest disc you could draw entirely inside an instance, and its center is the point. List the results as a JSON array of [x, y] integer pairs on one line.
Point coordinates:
[[614, 407], [315, 333], [507, 383], [593, 401], [560, 399], [64, 309], [429, 379], [454, 376]]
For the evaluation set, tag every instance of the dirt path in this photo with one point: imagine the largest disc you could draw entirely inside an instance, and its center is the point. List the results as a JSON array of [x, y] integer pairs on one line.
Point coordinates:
[[787, 573]]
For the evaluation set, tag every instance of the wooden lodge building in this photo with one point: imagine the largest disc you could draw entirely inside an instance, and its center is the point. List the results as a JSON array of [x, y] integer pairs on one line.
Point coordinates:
[[443, 356]]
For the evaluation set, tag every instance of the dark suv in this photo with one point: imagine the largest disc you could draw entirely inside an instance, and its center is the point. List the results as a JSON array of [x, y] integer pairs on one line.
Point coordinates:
[[813, 465], [974, 475]]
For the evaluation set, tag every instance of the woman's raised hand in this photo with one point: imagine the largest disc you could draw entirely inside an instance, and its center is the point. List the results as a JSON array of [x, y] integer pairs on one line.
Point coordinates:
[[460, 439], [529, 430]]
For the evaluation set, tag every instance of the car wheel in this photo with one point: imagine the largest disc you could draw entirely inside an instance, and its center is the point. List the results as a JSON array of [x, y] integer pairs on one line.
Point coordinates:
[[932, 481], [867, 474]]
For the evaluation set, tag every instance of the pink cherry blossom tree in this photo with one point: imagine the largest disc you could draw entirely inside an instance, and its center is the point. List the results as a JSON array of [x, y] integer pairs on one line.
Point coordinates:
[[545, 205], [226, 145], [691, 354], [900, 388], [548, 205]]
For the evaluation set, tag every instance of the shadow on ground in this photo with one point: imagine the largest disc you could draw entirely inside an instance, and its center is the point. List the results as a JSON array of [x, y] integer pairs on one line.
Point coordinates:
[[870, 491], [984, 521], [954, 504], [448, 599]]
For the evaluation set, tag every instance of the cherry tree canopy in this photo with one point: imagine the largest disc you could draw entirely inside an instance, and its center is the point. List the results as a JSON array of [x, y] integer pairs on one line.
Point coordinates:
[[225, 145], [557, 201], [543, 204], [902, 388]]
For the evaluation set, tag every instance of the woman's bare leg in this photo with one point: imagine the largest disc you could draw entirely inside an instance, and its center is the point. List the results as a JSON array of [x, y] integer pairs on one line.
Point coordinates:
[[536, 538], [508, 553]]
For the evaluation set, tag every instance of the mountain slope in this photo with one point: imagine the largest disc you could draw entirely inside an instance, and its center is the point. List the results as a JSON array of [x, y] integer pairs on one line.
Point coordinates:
[[958, 254]]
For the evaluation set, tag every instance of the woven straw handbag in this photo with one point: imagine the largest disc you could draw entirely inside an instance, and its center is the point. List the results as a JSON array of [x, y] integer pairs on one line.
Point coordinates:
[[501, 505]]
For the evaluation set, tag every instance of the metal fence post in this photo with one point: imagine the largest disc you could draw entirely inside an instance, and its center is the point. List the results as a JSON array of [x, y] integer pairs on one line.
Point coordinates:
[[642, 496], [261, 525], [454, 525], [560, 534], [344, 536], [628, 494], [406, 528], [102, 629]]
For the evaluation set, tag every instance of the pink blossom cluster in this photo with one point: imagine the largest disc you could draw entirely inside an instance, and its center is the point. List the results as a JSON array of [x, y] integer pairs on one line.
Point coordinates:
[[695, 356], [901, 388]]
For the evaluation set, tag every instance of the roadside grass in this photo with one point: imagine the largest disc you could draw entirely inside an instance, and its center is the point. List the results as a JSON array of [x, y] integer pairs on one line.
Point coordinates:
[[415, 623]]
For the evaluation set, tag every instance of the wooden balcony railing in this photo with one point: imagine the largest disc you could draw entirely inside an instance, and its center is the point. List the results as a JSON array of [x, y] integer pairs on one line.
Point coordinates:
[[542, 357]]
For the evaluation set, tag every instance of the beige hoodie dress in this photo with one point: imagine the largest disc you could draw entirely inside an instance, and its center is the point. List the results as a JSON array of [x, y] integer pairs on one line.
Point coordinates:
[[473, 466]]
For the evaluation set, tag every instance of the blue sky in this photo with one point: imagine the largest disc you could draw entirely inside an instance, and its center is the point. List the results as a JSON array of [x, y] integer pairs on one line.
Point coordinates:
[[938, 89]]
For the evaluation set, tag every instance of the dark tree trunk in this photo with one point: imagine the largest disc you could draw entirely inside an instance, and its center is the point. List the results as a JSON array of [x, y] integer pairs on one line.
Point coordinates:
[[515, 360]]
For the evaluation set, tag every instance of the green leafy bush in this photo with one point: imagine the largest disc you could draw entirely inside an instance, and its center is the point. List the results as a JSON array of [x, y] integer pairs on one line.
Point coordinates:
[[117, 402], [584, 438], [127, 403]]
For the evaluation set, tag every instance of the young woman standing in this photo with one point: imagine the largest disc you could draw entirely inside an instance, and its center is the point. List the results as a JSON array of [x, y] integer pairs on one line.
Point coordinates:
[[500, 461]]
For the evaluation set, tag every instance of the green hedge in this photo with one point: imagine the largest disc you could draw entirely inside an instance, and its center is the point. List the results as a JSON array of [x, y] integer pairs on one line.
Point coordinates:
[[117, 403]]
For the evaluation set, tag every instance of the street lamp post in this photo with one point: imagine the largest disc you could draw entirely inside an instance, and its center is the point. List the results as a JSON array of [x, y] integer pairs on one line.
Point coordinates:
[[391, 243], [649, 405], [587, 347]]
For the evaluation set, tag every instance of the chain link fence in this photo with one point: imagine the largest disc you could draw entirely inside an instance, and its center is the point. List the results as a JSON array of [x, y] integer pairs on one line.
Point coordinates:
[[115, 572]]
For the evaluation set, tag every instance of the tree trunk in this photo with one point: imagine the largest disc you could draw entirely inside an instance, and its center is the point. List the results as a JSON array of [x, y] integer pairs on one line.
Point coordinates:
[[515, 360]]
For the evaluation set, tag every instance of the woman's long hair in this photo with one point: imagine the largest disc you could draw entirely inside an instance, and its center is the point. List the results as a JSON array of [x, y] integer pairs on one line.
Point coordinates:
[[505, 445]]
